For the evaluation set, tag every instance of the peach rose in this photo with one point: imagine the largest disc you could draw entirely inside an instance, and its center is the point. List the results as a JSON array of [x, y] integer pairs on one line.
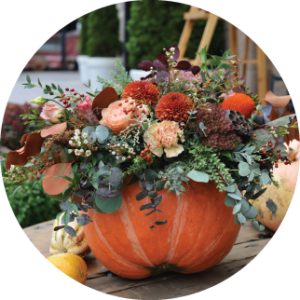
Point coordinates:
[[122, 113], [164, 137], [51, 112]]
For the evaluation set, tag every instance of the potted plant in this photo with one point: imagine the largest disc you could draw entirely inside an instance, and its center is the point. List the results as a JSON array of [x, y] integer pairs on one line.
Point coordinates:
[[82, 58], [103, 43], [162, 177]]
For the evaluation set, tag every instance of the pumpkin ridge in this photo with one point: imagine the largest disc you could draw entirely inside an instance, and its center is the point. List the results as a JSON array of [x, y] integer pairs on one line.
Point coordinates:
[[175, 229], [131, 234], [100, 236], [199, 236]]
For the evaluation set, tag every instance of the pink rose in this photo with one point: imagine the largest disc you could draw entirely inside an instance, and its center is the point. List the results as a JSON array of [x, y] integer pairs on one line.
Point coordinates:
[[86, 104], [164, 137], [122, 113], [51, 112], [227, 95]]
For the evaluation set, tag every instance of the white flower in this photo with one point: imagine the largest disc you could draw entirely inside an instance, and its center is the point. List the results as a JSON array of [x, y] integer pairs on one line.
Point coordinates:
[[177, 79], [123, 158], [81, 150], [77, 132], [172, 49], [118, 145], [79, 143], [86, 141], [71, 143], [113, 153], [88, 152], [85, 135], [76, 138], [126, 146], [70, 150], [171, 56], [130, 150], [77, 152], [117, 157]]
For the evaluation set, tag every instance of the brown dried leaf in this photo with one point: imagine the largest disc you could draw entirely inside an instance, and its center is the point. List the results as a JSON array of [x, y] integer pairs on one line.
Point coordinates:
[[103, 100], [276, 101], [56, 185], [55, 129], [32, 147]]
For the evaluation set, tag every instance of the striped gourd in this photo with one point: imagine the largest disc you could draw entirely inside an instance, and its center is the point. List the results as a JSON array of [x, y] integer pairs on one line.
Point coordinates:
[[62, 242]]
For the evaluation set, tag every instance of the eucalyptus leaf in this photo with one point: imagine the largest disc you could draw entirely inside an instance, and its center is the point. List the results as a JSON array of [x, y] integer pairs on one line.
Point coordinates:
[[70, 231], [110, 205], [236, 208], [198, 176], [244, 168], [141, 195]]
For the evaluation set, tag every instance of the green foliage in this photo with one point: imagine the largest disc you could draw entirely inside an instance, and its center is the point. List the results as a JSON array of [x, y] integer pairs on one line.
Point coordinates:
[[30, 204], [103, 32], [83, 35], [156, 24], [205, 159], [121, 79]]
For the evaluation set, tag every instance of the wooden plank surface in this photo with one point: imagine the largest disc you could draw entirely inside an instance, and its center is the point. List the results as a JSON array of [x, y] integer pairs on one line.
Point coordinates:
[[165, 286]]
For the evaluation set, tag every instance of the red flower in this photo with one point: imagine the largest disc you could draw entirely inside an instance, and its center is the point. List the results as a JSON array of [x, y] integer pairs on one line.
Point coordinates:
[[141, 91], [174, 107]]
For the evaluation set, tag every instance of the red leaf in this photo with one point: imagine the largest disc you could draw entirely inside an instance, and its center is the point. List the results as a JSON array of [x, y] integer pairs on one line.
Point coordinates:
[[55, 129], [183, 64], [103, 99], [145, 65], [56, 185], [162, 58]]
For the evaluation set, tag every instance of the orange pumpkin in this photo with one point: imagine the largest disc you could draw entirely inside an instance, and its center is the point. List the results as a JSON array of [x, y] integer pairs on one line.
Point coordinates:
[[200, 232]]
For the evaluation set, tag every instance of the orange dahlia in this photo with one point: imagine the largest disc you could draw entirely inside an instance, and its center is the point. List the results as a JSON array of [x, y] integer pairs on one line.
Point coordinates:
[[173, 107], [241, 103], [141, 91]]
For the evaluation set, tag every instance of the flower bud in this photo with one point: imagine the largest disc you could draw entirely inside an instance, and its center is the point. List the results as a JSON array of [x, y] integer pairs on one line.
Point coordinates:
[[39, 100]]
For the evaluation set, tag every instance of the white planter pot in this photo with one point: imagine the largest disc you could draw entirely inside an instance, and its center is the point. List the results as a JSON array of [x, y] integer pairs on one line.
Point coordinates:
[[100, 66], [82, 68], [136, 74]]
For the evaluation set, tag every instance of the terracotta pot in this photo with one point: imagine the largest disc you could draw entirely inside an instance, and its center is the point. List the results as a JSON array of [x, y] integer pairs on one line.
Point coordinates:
[[200, 232]]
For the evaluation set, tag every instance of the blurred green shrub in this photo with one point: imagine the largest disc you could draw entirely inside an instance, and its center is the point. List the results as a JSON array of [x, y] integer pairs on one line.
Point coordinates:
[[83, 35], [30, 204], [103, 32], [155, 25], [13, 126]]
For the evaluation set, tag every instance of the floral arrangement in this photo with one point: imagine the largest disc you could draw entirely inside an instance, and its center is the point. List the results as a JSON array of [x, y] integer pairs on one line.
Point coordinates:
[[179, 123]]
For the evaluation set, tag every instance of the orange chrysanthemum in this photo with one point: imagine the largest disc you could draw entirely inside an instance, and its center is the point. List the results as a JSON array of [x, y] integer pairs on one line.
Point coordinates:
[[241, 103], [142, 91], [173, 107]]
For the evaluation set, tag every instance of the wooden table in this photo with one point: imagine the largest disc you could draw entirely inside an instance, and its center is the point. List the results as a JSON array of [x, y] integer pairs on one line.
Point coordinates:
[[168, 285]]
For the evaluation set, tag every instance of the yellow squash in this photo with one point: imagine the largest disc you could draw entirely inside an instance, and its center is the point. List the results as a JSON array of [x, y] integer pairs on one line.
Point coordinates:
[[70, 264]]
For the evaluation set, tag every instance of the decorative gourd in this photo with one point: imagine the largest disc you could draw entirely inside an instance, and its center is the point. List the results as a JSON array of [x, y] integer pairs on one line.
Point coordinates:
[[200, 232], [62, 242], [286, 176], [70, 264]]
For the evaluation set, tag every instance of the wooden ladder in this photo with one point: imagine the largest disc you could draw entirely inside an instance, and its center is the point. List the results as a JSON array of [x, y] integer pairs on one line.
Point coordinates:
[[197, 14]]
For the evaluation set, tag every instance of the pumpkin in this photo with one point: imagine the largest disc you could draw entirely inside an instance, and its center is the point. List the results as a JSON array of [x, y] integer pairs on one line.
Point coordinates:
[[62, 242], [199, 233], [70, 264], [286, 176]]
